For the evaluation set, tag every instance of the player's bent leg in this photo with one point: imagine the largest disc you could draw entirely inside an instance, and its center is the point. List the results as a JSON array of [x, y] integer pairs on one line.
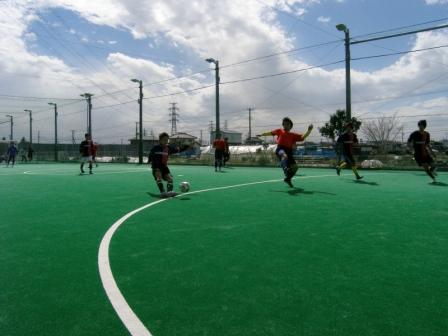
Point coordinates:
[[169, 182]]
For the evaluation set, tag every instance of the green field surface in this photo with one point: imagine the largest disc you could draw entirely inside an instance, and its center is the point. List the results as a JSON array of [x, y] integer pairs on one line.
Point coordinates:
[[242, 254]]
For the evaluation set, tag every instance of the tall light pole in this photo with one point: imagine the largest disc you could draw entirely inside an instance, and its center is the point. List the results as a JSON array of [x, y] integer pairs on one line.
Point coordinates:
[[31, 126], [348, 97], [212, 60], [140, 137], [88, 97], [55, 130], [11, 121]]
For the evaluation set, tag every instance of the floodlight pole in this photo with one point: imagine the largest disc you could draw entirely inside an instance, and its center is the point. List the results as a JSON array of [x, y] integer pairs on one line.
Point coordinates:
[[348, 92], [31, 126], [11, 122], [88, 97], [217, 80], [140, 137], [55, 130], [343, 28]]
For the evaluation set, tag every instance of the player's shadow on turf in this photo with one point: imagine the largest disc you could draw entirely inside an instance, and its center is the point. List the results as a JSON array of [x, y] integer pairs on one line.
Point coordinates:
[[438, 184], [153, 195], [366, 182], [300, 191]]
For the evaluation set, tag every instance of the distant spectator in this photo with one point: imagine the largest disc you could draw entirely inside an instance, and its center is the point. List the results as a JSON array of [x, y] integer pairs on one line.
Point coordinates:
[[30, 153]]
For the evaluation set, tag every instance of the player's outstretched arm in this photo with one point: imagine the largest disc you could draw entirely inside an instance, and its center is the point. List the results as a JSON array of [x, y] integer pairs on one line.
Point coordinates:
[[308, 132], [264, 134]]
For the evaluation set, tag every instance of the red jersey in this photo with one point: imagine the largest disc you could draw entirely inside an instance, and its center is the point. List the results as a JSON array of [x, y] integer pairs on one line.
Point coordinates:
[[287, 139], [219, 144]]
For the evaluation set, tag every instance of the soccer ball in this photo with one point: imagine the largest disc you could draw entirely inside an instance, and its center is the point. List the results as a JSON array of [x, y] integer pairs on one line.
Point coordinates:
[[184, 186]]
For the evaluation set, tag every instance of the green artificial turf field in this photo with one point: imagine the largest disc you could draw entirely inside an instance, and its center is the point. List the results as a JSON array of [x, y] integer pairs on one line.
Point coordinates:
[[243, 254]]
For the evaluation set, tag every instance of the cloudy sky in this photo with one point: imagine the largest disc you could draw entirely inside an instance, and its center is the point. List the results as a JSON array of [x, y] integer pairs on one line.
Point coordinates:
[[55, 50]]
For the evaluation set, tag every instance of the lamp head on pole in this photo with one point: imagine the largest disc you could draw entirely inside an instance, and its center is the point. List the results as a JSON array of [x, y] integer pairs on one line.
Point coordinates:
[[342, 27], [211, 60], [52, 104], [135, 80], [27, 111]]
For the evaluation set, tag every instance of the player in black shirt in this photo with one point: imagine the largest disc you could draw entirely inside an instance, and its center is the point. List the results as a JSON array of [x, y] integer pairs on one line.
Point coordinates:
[[158, 157], [419, 142], [346, 141], [85, 148]]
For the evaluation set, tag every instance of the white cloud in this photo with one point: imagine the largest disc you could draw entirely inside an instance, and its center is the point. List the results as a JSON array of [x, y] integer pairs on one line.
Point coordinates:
[[229, 30], [112, 42], [436, 2], [323, 19]]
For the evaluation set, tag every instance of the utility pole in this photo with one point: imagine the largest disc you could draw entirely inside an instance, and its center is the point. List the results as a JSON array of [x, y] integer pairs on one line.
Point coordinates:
[[136, 130], [217, 80], [211, 127], [38, 137], [200, 139], [250, 109], [55, 130], [173, 120], [343, 28], [88, 97], [31, 126], [11, 123], [140, 103], [73, 137]]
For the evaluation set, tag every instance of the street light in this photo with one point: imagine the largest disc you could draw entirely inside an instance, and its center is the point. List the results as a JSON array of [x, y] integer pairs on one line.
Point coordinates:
[[55, 130], [31, 126], [216, 62], [11, 121], [88, 97], [140, 137], [348, 99]]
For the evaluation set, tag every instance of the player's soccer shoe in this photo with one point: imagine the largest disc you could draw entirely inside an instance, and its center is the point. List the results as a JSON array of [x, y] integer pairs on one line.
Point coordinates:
[[358, 177], [338, 170], [287, 180]]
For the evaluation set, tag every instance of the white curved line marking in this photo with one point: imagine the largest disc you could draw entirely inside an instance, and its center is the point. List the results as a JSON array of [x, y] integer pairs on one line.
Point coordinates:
[[122, 308]]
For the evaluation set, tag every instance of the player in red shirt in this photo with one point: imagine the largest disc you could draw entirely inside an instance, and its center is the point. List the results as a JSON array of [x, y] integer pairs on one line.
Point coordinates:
[[220, 146], [286, 142]]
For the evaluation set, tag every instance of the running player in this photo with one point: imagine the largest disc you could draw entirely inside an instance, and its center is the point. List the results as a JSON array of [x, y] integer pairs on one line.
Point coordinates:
[[419, 142], [286, 142], [11, 153], [347, 140], [85, 148], [158, 157], [220, 146]]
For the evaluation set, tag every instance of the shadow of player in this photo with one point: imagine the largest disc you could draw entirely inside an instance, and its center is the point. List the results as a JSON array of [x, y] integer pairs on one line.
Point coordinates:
[[296, 191], [366, 182], [438, 184]]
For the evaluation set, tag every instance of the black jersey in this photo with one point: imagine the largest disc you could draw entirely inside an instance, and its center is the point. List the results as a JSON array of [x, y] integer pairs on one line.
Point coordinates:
[[420, 142], [158, 156], [347, 140], [85, 148]]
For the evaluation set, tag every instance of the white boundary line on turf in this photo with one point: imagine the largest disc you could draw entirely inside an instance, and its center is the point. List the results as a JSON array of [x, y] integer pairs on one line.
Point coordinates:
[[122, 308], [64, 173]]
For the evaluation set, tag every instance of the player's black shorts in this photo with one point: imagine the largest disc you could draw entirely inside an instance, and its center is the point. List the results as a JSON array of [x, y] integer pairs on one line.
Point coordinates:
[[348, 157], [164, 170], [421, 159], [219, 154], [288, 152]]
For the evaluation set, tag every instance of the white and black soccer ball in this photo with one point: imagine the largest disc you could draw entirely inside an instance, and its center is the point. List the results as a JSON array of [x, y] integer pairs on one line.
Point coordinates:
[[184, 186]]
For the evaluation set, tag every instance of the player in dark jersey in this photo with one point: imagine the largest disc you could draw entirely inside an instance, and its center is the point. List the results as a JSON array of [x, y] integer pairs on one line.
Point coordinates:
[[220, 146], [85, 148], [345, 143], [419, 142], [286, 142], [158, 157]]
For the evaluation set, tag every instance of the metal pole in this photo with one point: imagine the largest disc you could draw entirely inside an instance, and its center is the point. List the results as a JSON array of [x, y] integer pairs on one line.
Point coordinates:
[[348, 94], [217, 98], [89, 100], [55, 132], [31, 127], [12, 128], [140, 141]]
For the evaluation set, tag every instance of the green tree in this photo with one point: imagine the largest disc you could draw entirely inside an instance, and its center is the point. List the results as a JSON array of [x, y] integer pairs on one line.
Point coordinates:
[[335, 126]]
